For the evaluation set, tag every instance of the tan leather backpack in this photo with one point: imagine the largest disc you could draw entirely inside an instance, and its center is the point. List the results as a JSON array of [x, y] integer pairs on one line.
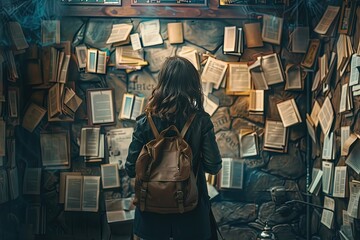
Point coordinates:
[[165, 181]]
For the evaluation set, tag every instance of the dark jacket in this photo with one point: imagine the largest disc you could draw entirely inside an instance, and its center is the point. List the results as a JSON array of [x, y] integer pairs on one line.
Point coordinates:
[[190, 225]]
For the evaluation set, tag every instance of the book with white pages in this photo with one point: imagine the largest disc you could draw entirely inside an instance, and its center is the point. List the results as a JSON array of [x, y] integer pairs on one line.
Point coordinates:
[[119, 33], [328, 177], [238, 80], [214, 71], [329, 150], [276, 136], [110, 175], [150, 33], [327, 216], [326, 116], [272, 29], [315, 184], [327, 19], [353, 206], [248, 141], [232, 173], [89, 141], [210, 106], [190, 54], [340, 188], [256, 102], [345, 134], [257, 75], [289, 112]]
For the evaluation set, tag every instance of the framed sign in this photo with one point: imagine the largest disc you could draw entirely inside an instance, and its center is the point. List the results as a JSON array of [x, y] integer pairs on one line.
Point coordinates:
[[91, 2], [183, 3], [100, 105]]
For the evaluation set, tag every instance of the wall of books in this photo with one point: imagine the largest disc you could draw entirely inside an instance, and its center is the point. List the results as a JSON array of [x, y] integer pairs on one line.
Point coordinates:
[[283, 95]]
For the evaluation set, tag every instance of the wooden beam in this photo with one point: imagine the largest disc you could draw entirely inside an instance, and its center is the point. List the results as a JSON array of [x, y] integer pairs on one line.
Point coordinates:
[[126, 10]]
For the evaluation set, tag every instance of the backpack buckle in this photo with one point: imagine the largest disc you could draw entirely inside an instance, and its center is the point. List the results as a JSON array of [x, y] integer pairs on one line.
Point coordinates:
[[180, 200]]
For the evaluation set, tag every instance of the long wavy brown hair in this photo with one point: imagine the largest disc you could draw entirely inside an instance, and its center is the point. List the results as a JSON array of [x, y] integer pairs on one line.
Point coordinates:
[[178, 92]]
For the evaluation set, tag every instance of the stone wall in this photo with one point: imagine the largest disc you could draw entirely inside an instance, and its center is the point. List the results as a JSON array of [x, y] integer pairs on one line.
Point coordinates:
[[241, 214]]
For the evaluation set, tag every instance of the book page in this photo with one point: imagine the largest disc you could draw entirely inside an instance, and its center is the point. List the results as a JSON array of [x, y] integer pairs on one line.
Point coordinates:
[[272, 69], [190, 54], [354, 71], [32, 180], [340, 180], [135, 41], [230, 39], [257, 75], [237, 174], [210, 106], [81, 55], [101, 153], [344, 97], [238, 78], [120, 32], [327, 217], [64, 69], [119, 209], [275, 134], [347, 144], [102, 107], [62, 184], [345, 134], [89, 141], [323, 67], [90, 194], [175, 32], [326, 116], [316, 180], [327, 179], [248, 143], [353, 206], [118, 142], [256, 103], [110, 175], [327, 19], [272, 29], [288, 112], [214, 71], [225, 173], [126, 106], [138, 107], [150, 33], [328, 147], [73, 193], [101, 62]]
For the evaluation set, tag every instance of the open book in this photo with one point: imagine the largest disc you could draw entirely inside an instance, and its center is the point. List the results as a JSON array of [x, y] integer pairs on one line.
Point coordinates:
[[232, 173], [276, 136], [289, 112], [82, 193]]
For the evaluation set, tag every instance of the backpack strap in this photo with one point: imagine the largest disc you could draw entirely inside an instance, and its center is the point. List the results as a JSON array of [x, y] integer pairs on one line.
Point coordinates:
[[187, 125], [152, 125]]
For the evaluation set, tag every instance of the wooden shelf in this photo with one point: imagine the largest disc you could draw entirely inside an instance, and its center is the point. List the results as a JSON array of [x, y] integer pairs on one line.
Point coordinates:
[[126, 10]]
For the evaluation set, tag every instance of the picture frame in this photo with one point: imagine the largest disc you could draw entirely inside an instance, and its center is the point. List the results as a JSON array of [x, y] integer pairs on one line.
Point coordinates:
[[91, 64], [55, 149], [100, 106], [347, 17]]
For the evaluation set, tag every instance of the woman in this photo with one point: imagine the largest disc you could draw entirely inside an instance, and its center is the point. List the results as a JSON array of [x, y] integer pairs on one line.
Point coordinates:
[[178, 95]]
